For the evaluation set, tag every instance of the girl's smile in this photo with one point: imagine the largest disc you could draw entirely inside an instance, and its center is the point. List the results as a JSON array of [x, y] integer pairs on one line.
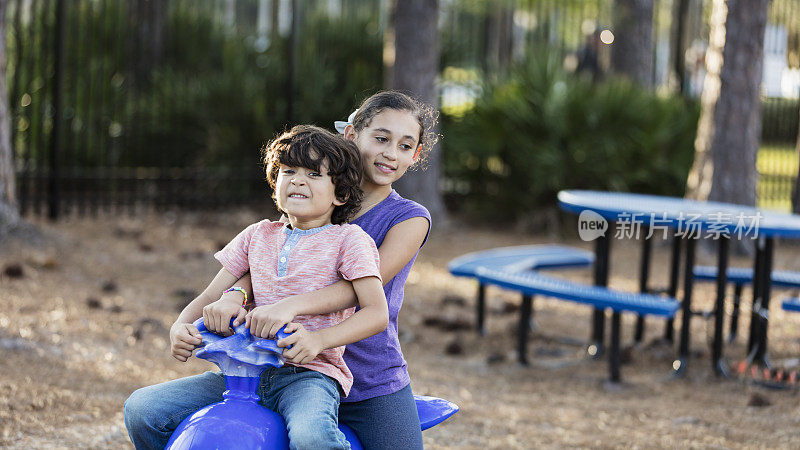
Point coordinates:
[[385, 168]]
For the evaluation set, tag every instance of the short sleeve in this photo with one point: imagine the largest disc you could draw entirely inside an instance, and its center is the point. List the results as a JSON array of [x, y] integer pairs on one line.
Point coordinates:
[[410, 210], [358, 255], [234, 256]]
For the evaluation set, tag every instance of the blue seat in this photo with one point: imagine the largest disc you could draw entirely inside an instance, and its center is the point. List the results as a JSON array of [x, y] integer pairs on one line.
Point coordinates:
[[742, 276], [516, 268], [791, 304], [515, 259], [532, 283], [519, 258], [433, 411]]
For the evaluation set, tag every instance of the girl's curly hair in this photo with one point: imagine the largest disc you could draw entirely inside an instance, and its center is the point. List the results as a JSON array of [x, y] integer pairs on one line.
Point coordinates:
[[425, 115], [309, 146]]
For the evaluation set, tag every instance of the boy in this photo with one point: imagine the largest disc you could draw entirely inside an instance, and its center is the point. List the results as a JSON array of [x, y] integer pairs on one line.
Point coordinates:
[[316, 177]]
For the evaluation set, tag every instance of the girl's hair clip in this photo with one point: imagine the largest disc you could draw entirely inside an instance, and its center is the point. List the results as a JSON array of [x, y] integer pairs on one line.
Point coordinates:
[[340, 125]]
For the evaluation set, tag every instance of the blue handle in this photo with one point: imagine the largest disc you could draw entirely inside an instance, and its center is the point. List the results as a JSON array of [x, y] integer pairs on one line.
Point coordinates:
[[201, 327], [281, 334], [270, 344], [210, 336]]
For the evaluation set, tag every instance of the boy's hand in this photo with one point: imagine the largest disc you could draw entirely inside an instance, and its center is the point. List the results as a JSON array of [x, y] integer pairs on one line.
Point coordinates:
[[265, 321], [306, 345], [217, 316], [183, 338]]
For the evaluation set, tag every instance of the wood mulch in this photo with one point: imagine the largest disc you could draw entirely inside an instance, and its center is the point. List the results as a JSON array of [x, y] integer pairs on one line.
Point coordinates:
[[86, 308]]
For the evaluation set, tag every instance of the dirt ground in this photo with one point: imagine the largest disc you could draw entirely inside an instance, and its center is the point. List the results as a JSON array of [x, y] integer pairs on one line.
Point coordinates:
[[87, 323]]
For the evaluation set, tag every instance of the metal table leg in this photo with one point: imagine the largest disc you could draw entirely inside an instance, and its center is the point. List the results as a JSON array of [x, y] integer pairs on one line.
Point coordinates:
[[737, 301], [481, 309], [758, 354], [717, 362], [523, 328], [757, 269], [672, 291], [644, 273], [601, 250], [679, 366], [614, 352]]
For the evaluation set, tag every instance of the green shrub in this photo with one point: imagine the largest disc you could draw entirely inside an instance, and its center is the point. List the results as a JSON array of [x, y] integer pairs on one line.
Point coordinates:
[[540, 131], [216, 95], [219, 104]]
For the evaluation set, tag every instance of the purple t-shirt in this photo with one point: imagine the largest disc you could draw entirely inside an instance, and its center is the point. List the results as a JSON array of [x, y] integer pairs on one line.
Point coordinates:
[[377, 362]]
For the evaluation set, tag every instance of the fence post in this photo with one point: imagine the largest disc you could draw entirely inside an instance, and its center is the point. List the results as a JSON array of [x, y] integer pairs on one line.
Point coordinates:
[[55, 137], [291, 62]]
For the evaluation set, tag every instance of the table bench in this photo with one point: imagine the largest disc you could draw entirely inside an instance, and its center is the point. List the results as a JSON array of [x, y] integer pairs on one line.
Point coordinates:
[[743, 276], [740, 277], [791, 304], [531, 283], [517, 259], [515, 268]]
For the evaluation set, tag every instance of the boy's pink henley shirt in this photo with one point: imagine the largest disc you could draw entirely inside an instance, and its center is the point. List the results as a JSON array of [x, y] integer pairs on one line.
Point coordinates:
[[285, 262]]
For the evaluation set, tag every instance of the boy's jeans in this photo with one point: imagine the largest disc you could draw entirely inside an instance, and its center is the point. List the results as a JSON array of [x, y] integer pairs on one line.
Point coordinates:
[[307, 400]]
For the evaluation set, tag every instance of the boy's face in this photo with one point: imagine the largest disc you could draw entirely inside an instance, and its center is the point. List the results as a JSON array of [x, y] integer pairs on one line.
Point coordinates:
[[388, 146], [306, 196]]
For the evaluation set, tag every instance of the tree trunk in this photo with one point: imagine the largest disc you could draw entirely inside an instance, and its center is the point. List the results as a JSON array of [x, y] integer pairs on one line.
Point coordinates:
[[149, 21], [632, 50], [416, 54], [728, 133], [678, 47], [499, 39], [230, 13], [9, 215]]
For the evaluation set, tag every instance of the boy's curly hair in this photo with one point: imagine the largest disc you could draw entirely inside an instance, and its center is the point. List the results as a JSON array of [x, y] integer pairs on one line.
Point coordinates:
[[425, 115], [309, 146]]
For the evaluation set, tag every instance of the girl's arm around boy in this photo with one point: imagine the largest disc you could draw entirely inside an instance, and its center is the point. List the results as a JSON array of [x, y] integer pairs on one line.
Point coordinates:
[[371, 318], [397, 249]]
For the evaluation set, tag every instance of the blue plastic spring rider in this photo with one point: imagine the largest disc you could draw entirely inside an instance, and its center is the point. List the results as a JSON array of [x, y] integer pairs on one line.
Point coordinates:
[[238, 421]]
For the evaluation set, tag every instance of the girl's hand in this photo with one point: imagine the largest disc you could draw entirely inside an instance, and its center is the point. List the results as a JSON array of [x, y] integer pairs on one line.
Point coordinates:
[[265, 321], [183, 338], [306, 345], [217, 316]]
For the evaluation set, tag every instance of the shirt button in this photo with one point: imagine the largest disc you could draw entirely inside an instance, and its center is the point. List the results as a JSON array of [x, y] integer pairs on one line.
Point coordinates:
[[283, 259]]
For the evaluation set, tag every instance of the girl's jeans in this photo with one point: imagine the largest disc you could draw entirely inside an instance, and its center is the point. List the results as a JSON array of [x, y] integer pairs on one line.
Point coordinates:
[[152, 413], [307, 400], [386, 422]]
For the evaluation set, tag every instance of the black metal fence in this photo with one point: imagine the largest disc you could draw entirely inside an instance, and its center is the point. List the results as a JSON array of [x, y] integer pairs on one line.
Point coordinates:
[[125, 105]]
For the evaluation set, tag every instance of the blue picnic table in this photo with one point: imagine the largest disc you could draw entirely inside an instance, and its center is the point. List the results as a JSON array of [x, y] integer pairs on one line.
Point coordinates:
[[688, 220]]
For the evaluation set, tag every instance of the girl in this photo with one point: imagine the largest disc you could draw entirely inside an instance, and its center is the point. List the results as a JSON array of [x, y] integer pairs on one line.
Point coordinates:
[[393, 132]]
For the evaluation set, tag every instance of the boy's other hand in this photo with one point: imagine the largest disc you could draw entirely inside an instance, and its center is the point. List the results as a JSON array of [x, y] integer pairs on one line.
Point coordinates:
[[306, 345], [217, 316], [183, 337], [265, 321]]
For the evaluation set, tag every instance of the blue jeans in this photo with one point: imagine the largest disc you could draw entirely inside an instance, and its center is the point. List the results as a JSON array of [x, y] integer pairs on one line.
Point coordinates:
[[307, 400], [386, 422], [153, 412]]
